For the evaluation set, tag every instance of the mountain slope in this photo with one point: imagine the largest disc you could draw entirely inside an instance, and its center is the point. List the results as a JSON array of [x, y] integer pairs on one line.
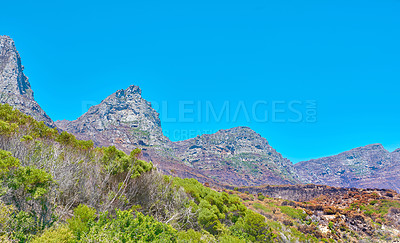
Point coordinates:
[[371, 166], [237, 156], [15, 88]]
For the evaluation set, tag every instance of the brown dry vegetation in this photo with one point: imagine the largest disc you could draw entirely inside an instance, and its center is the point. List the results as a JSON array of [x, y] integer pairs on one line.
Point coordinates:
[[346, 217]]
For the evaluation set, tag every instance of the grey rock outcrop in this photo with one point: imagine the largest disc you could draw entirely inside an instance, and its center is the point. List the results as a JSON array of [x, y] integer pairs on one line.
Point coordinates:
[[15, 88]]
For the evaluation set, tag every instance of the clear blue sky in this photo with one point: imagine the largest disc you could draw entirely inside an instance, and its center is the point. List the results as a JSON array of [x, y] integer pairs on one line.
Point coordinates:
[[345, 55]]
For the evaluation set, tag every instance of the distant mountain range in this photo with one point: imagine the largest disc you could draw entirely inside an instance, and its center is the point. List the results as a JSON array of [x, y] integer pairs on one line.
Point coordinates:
[[237, 156], [371, 166]]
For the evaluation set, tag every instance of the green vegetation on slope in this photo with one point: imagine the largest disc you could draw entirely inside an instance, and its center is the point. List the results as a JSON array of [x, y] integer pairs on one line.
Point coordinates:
[[114, 196], [55, 188]]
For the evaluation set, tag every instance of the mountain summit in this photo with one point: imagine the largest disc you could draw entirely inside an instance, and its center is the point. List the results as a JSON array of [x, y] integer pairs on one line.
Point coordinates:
[[15, 88], [238, 156], [124, 119]]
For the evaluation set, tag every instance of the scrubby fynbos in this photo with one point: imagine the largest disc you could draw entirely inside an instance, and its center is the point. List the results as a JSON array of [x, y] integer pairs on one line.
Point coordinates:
[[14, 86]]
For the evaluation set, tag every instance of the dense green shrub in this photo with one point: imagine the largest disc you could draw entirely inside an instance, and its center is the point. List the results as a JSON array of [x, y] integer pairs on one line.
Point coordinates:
[[294, 212], [70, 140], [6, 212], [61, 234], [83, 217], [32, 183], [252, 228], [7, 162], [13, 121], [128, 226], [260, 197], [23, 226], [217, 210], [116, 161], [27, 189]]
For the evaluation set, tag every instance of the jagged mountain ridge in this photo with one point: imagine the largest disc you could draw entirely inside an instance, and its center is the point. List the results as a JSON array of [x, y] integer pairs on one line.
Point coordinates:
[[239, 156], [371, 166], [15, 88], [236, 156]]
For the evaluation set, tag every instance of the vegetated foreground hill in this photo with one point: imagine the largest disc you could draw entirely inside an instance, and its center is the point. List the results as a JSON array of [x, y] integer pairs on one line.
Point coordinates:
[[237, 156], [371, 166], [59, 189], [15, 89]]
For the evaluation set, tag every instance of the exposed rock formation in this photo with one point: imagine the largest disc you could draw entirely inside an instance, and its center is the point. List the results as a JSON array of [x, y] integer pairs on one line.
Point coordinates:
[[237, 156], [14, 85], [371, 166]]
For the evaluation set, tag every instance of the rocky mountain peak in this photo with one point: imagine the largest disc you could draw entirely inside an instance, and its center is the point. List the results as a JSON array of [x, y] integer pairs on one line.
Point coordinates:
[[15, 88], [130, 92], [123, 118]]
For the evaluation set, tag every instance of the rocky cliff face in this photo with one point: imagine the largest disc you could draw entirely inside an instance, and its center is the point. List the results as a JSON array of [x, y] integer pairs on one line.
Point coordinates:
[[14, 85], [371, 166], [237, 156]]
